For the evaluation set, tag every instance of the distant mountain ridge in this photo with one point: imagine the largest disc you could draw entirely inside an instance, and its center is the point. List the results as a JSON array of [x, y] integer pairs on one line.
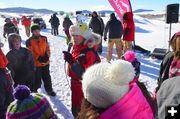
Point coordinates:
[[142, 10], [26, 10], [47, 11]]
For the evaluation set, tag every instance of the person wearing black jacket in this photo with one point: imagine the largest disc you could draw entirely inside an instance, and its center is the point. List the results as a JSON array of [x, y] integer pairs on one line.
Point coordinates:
[[21, 62], [166, 63], [54, 24], [115, 29], [9, 27], [97, 25]]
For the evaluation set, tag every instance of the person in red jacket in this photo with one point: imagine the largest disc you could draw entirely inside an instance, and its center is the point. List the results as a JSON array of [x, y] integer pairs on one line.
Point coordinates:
[[15, 21], [27, 23], [129, 30], [83, 55]]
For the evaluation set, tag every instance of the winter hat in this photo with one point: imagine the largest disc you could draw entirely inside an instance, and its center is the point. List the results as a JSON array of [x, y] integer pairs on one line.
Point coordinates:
[[7, 19], [29, 106], [112, 15], [83, 30], [13, 37], [104, 84], [129, 56], [35, 27]]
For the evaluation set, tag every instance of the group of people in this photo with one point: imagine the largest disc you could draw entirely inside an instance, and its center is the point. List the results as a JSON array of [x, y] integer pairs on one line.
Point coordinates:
[[11, 26], [109, 90]]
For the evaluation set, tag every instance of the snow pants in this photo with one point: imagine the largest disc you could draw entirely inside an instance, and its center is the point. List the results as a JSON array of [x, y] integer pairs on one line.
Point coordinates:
[[111, 42], [27, 29], [127, 46], [77, 97], [44, 74]]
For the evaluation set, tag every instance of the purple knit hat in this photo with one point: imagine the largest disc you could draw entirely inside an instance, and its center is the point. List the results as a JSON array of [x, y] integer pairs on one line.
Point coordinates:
[[21, 92], [29, 105]]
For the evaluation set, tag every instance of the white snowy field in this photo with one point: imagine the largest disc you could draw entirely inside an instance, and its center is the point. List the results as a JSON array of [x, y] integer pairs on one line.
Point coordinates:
[[150, 34]]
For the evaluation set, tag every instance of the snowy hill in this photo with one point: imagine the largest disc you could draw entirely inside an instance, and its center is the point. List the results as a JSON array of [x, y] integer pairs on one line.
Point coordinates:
[[150, 34], [142, 10], [26, 10]]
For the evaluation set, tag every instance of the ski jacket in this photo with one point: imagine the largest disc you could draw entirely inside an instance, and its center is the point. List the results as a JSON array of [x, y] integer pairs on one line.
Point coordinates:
[[67, 23], [91, 57], [10, 28], [97, 25], [164, 68], [38, 45], [132, 106], [129, 28], [3, 60], [54, 21], [15, 21], [114, 27], [21, 62], [26, 22]]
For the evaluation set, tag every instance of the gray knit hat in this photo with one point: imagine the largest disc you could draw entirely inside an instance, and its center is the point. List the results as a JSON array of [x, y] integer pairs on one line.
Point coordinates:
[[105, 84]]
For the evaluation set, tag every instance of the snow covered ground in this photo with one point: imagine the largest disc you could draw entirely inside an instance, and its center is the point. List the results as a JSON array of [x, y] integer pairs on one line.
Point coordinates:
[[150, 34]]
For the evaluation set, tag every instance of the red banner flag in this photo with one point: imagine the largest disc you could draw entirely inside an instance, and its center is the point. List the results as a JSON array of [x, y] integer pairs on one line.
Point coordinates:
[[120, 6]]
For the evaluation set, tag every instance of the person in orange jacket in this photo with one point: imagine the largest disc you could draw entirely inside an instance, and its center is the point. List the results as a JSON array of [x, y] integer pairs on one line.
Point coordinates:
[[39, 47], [6, 96], [27, 23]]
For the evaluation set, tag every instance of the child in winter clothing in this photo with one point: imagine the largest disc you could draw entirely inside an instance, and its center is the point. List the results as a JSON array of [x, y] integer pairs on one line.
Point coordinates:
[[39, 47], [29, 105], [83, 55], [130, 57], [6, 96], [110, 93], [66, 25], [175, 64], [168, 60], [21, 62]]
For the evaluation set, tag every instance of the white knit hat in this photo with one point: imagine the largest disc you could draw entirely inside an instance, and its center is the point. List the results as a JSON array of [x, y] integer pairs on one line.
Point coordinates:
[[84, 31], [105, 84]]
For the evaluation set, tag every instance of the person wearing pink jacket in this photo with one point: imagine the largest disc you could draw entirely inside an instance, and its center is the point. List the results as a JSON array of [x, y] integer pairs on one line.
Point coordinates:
[[111, 93]]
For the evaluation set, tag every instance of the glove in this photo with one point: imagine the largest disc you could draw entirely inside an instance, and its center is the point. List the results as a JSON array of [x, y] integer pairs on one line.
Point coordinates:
[[43, 59], [68, 57], [105, 38]]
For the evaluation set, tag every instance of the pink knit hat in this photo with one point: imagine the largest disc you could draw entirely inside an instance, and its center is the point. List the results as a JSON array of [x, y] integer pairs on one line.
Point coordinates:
[[129, 56]]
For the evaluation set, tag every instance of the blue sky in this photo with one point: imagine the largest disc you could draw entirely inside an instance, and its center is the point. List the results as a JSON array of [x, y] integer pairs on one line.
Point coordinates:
[[72, 5]]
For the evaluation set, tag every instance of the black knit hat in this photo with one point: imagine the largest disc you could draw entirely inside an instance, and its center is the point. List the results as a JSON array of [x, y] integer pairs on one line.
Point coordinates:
[[35, 27]]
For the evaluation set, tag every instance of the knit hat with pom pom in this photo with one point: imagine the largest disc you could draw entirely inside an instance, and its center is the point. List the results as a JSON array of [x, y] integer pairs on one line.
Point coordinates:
[[29, 105], [129, 56], [105, 84]]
